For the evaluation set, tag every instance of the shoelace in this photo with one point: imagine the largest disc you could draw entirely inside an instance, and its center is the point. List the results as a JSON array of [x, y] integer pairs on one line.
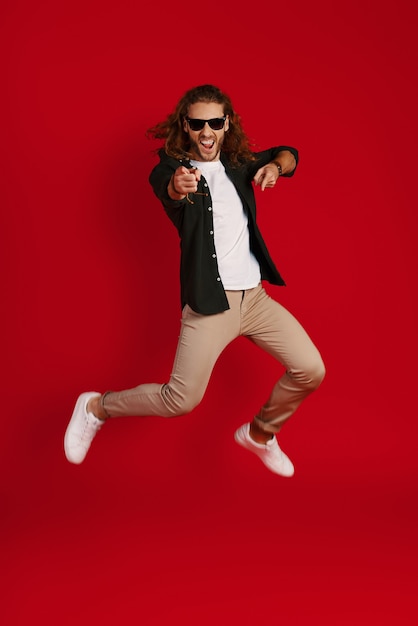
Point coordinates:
[[91, 427], [277, 451]]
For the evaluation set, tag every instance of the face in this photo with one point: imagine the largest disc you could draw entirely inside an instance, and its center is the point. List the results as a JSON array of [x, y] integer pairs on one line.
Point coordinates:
[[206, 144]]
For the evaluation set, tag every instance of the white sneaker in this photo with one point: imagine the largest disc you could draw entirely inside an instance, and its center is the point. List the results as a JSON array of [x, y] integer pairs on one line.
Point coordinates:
[[270, 453], [81, 429]]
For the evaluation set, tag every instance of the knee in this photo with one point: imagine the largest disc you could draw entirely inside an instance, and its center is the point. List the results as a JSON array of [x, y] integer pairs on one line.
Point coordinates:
[[179, 403], [185, 406], [316, 373], [311, 375]]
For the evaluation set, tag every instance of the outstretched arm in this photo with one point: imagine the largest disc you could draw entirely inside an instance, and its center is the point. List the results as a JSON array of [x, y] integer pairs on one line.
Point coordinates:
[[267, 176]]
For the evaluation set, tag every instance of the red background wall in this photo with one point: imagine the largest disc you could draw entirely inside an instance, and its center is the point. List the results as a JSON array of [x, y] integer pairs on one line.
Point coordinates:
[[169, 522]]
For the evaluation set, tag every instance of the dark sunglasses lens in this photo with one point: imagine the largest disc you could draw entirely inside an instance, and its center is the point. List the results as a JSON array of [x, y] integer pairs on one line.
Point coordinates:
[[217, 123], [196, 124]]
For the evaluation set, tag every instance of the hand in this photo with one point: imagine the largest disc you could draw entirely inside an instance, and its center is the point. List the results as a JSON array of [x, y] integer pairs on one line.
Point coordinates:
[[267, 176], [185, 180]]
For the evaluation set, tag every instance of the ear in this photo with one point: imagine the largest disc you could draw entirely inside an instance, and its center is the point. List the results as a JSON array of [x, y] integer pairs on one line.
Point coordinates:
[[185, 126], [226, 127]]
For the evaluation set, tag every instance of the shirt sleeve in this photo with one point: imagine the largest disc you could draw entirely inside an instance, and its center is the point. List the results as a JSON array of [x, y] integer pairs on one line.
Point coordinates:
[[159, 179], [266, 156]]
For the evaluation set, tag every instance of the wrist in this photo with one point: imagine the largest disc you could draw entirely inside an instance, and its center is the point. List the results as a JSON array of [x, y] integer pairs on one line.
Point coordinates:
[[279, 167]]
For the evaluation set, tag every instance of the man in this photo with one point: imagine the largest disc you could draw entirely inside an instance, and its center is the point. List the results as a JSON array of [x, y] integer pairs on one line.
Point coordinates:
[[204, 181]]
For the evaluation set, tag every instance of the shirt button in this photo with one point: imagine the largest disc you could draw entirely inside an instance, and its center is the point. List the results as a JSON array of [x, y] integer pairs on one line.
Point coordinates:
[[218, 279], [211, 232], [213, 256], [209, 208], [206, 184]]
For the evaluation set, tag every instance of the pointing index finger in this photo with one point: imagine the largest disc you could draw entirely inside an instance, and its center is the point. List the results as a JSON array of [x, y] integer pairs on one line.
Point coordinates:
[[196, 172]]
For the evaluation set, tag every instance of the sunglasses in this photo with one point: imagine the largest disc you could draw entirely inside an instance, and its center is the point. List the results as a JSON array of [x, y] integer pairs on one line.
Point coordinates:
[[215, 123]]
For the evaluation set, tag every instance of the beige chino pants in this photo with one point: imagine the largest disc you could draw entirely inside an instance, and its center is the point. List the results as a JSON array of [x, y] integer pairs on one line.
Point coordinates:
[[252, 314]]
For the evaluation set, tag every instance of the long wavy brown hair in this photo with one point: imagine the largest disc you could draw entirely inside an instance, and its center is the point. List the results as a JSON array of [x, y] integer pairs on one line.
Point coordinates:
[[176, 141]]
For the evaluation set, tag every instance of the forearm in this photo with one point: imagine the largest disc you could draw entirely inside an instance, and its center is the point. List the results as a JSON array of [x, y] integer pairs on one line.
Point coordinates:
[[285, 161]]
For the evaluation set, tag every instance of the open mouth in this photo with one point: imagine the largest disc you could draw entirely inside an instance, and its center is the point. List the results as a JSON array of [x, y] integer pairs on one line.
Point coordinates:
[[207, 145]]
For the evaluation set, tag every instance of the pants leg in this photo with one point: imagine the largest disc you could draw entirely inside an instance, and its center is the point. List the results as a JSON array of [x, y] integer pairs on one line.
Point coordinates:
[[201, 341], [270, 326]]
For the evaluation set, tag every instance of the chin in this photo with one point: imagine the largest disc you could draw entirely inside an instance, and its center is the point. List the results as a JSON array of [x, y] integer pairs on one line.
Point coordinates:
[[209, 157]]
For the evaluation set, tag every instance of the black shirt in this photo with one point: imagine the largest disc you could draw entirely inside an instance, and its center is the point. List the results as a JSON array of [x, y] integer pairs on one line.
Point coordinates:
[[201, 285]]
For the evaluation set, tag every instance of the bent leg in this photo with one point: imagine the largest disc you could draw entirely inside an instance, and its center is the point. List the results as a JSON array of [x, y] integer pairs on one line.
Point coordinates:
[[202, 339], [277, 331]]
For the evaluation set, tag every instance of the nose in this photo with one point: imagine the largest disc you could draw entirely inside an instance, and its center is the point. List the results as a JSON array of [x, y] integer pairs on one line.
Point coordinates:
[[206, 128]]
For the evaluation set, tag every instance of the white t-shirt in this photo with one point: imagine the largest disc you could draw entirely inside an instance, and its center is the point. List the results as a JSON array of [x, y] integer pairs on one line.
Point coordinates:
[[238, 267]]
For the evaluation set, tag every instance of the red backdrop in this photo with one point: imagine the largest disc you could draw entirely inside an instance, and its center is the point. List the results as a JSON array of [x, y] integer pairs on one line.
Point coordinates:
[[169, 522]]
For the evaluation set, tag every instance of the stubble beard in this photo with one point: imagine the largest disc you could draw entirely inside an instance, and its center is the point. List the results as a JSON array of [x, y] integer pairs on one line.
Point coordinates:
[[195, 149]]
